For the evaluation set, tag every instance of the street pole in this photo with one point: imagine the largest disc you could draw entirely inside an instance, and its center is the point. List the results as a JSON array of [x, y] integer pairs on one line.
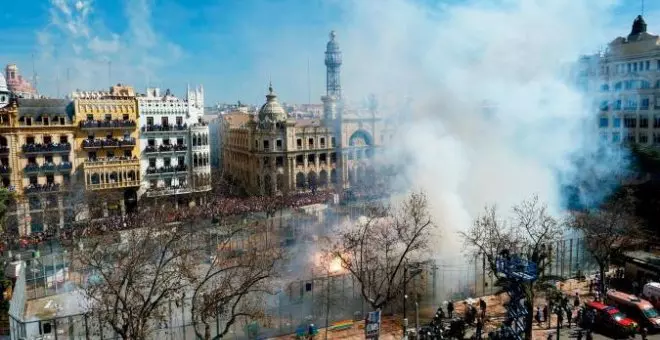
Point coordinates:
[[405, 297], [416, 317]]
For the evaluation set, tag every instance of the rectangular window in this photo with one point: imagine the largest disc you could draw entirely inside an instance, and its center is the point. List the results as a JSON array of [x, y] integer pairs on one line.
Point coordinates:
[[278, 143], [179, 141], [643, 138], [617, 122], [299, 143], [29, 140], [630, 122], [33, 180], [656, 138], [332, 141], [656, 122], [266, 145], [311, 158], [643, 121], [604, 122], [645, 104], [108, 117], [124, 117], [179, 120], [310, 142], [617, 104], [648, 65], [46, 120], [128, 154], [150, 121], [604, 105], [109, 154], [299, 160], [164, 121], [91, 156], [166, 141], [50, 179], [48, 159], [64, 139], [48, 139], [167, 161], [90, 117], [616, 137], [152, 162], [181, 160], [151, 142], [279, 161], [322, 142], [630, 138]]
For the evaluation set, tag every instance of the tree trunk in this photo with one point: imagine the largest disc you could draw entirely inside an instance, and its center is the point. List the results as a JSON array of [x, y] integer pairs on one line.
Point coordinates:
[[529, 318], [601, 286], [207, 331]]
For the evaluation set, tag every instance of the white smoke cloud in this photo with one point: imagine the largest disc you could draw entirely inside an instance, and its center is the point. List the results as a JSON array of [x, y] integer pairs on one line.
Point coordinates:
[[450, 59], [77, 46]]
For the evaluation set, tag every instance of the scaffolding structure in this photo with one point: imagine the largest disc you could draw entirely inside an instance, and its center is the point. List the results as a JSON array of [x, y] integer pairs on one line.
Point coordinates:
[[517, 271]]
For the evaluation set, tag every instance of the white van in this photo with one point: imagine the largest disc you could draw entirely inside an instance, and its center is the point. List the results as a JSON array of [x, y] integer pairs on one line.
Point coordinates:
[[652, 290]]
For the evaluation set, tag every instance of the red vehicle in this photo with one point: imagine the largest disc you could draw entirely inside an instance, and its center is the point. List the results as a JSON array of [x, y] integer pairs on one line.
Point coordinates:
[[610, 319]]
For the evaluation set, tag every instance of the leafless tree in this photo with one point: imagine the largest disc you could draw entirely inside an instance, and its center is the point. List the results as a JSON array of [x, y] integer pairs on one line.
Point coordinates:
[[133, 280], [232, 283], [378, 250], [608, 230], [528, 234]]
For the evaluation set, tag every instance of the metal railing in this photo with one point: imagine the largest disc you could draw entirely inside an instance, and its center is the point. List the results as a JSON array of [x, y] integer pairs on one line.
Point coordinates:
[[165, 148], [46, 148], [41, 188], [166, 169], [107, 143], [113, 185], [164, 128], [105, 162], [107, 124]]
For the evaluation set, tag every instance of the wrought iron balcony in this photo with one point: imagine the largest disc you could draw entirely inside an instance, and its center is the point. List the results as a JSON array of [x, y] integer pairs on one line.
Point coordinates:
[[46, 148], [48, 167], [41, 188], [164, 128], [107, 143], [4, 150], [165, 148], [167, 191], [110, 162], [4, 169], [166, 169], [107, 124]]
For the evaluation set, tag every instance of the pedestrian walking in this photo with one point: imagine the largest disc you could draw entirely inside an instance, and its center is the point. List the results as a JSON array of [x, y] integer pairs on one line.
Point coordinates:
[[576, 301], [569, 316], [545, 312], [591, 286], [482, 306], [560, 318], [480, 326], [450, 309], [538, 315]]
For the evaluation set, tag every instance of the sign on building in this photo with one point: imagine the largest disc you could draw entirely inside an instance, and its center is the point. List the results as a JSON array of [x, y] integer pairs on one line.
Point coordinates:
[[372, 325]]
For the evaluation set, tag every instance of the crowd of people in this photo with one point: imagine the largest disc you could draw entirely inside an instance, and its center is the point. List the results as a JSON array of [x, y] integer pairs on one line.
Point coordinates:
[[218, 207]]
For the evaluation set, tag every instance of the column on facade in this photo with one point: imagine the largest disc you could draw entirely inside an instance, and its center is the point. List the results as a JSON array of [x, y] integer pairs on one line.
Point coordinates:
[[291, 174]]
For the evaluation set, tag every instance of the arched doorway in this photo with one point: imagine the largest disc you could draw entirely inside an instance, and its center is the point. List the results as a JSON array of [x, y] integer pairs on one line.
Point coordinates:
[[300, 180], [312, 180]]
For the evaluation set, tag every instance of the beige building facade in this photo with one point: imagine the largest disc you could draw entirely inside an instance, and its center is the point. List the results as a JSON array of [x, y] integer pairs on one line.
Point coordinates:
[[274, 153]]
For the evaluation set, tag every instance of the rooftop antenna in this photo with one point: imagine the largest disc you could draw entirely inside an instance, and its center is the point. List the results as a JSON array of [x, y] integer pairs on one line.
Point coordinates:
[[642, 7], [34, 75], [309, 85]]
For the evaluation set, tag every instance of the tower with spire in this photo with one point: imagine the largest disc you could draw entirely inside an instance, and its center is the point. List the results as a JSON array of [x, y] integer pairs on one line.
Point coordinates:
[[333, 66]]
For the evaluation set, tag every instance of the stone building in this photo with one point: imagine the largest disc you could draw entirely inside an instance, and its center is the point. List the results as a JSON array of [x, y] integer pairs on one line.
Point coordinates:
[[36, 159], [17, 84], [274, 153], [625, 80], [175, 144], [107, 152]]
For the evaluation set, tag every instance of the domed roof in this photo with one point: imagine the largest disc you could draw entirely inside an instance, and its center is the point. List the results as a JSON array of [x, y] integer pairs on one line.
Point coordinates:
[[3, 83], [272, 110], [333, 45]]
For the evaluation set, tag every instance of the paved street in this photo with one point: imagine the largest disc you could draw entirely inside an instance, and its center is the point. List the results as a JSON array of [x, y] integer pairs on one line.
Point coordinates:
[[565, 335]]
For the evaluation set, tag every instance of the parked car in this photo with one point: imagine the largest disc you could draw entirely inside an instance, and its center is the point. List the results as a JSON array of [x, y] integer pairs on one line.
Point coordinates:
[[637, 309], [610, 320]]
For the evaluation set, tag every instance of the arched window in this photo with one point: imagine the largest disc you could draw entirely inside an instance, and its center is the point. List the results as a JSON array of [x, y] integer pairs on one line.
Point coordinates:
[[95, 179], [131, 175], [618, 86], [195, 160]]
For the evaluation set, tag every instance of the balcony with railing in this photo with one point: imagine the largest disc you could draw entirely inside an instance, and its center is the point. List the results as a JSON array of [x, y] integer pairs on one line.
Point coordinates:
[[165, 148], [155, 129], [108, 143], [114, 162], [46, 148], [167, 191], [165, 170], [4, 150], [47, 168], [42, 188], [107, 124]]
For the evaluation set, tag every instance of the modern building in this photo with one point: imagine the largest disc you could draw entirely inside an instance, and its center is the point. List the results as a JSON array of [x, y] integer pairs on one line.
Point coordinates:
[[36, 159], [625, 80], [274, 153], [175, 144], [107, 153], [18, 85]]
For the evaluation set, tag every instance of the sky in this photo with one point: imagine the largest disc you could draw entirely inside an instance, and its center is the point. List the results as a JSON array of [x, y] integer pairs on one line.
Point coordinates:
[[231, 47]]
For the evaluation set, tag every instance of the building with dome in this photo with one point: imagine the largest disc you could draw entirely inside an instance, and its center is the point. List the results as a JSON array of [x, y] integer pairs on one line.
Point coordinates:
[[274, 153], [18, 85], [625, 80]]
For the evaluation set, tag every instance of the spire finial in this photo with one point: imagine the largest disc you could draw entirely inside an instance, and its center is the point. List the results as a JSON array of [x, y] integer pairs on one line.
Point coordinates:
[[332, 35], [270, 87]]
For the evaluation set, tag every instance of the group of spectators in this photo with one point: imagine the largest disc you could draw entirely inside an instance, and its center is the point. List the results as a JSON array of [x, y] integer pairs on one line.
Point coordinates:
[[214, 209]]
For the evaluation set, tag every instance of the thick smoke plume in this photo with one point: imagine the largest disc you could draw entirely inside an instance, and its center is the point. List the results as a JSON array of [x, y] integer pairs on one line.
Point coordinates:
[[494, 116]]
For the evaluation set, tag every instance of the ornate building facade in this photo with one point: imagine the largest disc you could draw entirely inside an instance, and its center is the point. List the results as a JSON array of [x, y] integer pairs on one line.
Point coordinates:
[[273, 153], [175, 144], [625, 80], [18, 85], [107, 152], [36, 159]]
